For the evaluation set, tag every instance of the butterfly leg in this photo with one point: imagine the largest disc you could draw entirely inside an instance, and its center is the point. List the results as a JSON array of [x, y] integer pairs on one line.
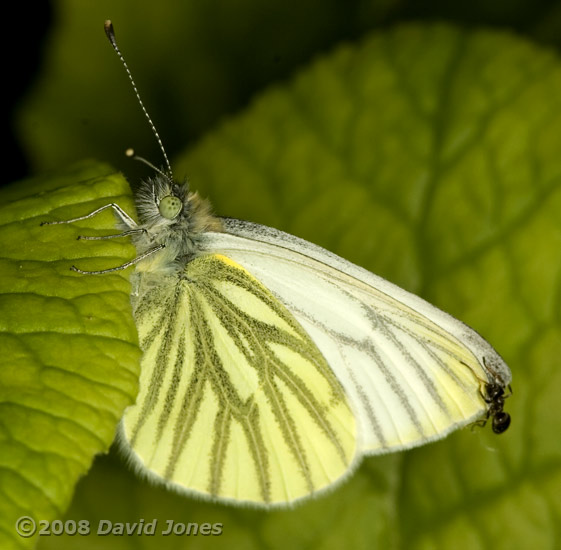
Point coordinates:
[[134, 261], [104, 237], [125, 218]]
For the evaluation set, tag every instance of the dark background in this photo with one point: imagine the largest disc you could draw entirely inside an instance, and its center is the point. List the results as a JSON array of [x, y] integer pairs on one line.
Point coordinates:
[[26, 30], [23, 42]]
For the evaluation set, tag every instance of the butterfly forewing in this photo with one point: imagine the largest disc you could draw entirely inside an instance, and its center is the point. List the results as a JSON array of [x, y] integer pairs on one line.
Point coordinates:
[[236, 401], [412, 373]]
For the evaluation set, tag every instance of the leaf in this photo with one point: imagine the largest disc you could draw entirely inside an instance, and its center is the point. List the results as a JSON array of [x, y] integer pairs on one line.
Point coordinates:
[[69, 359], [429, 155]]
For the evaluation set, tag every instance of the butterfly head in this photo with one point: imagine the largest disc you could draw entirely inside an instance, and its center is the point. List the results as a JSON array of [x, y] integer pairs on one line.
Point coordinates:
[[161, 201], [167, 209]]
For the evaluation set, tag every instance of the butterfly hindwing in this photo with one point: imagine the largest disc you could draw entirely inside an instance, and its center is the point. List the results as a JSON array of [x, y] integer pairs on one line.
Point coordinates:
[[236, 401]]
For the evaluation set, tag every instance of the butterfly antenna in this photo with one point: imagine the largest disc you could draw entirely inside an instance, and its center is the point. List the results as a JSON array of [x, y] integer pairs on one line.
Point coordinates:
[[110, 32], [131, 154]]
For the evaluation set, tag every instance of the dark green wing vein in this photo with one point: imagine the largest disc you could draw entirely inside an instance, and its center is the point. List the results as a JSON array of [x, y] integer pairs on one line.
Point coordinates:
[[431, 347], [431, 343], [307, 399], [194, 393], [164, 331], [259, 454], [220, 445], [174, 385]]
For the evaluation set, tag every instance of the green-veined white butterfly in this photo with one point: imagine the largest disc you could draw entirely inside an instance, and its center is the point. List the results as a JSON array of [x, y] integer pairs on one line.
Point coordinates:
[[272, 366]]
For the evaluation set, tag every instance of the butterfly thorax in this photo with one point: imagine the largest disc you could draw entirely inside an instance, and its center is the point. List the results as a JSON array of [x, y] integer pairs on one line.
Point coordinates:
[[171, 216]]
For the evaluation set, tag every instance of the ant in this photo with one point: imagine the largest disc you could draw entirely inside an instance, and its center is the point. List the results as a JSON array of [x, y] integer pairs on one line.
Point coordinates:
[[495, 397]]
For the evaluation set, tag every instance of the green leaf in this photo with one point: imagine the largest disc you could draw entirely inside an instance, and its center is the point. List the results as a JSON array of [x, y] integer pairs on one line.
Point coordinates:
[[69, 359], [430, 155]]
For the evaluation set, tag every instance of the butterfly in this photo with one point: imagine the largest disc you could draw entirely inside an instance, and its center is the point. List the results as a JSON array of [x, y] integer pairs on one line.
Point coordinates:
[[270, 365]]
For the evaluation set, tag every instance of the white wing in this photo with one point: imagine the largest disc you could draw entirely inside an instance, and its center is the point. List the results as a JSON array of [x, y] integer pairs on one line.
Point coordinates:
[[412, 372]]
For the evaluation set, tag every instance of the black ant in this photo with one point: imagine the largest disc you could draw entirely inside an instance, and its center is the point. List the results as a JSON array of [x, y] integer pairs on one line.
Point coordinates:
[[495, 397]]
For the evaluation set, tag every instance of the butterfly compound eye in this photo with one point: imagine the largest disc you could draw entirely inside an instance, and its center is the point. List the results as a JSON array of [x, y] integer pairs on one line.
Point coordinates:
[[170, 207]]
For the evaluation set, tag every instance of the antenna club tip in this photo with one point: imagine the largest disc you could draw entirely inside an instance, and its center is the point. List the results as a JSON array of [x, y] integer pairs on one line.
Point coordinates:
[[109, 31], [129, 152]]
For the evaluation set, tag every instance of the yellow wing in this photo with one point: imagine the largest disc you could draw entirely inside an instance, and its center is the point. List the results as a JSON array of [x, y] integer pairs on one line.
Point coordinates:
[[235, 401]]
